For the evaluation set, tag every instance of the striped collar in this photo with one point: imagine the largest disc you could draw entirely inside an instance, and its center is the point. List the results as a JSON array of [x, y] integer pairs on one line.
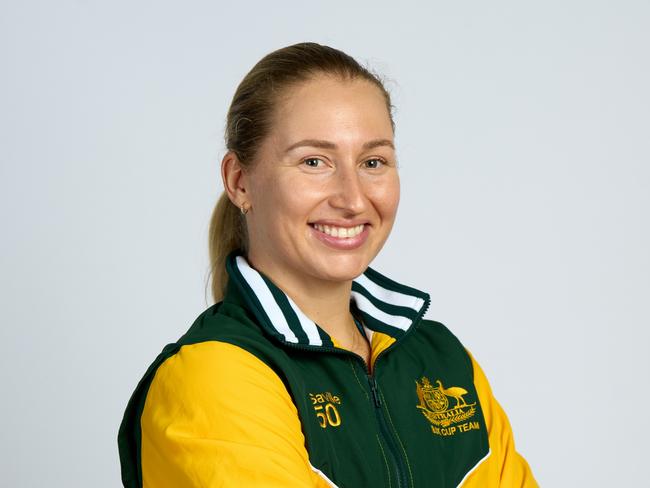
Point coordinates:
[[382, 304]]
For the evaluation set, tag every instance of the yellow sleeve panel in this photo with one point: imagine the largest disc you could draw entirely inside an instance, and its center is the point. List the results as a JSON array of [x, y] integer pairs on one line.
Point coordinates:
[[217, 416], [503, 466]]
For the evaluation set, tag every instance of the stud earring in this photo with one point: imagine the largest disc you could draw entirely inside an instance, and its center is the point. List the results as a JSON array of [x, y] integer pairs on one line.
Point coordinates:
[[244, 208]]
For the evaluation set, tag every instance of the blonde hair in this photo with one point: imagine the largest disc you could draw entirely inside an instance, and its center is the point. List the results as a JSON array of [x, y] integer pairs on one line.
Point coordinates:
[[249, 121]]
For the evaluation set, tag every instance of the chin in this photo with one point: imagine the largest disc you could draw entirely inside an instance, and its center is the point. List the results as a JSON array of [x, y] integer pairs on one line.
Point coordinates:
[[343, 268]]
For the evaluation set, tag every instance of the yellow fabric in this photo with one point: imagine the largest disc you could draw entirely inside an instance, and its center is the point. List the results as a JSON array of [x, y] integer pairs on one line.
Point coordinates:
[[504, 467], [379, 342], [336, 343], [216, 416]]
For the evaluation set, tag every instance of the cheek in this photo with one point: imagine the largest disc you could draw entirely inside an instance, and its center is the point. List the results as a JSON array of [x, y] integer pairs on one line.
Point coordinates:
[[386, 197], [284, 202]]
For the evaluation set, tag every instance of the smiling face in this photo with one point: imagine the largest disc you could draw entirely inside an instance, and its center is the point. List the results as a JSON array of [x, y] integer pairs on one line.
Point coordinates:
[[324, 186]]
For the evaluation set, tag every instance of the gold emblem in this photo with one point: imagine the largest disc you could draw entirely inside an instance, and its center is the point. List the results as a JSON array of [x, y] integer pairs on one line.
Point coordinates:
[[434, 405]]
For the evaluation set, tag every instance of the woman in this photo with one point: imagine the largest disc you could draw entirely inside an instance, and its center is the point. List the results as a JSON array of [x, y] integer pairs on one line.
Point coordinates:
[[313, 370]]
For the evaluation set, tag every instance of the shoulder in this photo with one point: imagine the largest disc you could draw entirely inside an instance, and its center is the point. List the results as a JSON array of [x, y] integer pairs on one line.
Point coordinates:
[[197, 369], [206, 382], [209, 381], [223, 348], [206, 398], [440, 339], [225, 323], [438, 330], [209, 367]]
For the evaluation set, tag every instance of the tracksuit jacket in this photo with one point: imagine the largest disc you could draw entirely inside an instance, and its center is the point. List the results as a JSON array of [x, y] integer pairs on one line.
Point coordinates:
[[256, 394]]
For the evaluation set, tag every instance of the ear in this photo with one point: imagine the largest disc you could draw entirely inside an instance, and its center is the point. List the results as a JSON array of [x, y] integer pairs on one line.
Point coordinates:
[[234, 179]]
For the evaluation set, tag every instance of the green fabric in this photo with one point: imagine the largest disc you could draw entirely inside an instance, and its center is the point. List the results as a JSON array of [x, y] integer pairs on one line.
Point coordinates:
[[376, 436]]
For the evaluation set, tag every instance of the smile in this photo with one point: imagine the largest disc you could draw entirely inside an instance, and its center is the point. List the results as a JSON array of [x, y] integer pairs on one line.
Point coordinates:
[[340, 232]]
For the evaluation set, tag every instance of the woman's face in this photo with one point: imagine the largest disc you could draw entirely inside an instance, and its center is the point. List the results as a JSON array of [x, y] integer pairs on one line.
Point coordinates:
[[324, 187]]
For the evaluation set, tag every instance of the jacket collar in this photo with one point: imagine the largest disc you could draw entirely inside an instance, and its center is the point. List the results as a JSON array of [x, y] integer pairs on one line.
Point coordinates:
[[383, 305]]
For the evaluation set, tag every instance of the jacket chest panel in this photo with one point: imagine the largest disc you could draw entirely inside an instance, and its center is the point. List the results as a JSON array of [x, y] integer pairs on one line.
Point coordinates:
[[437, 415], [333, 399], [431, 417]]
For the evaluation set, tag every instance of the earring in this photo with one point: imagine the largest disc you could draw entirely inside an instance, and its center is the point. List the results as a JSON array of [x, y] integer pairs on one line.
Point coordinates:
[[244, 208]]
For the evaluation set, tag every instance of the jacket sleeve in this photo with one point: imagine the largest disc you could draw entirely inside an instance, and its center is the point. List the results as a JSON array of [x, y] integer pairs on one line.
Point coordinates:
[[215, 415], [504, 466]]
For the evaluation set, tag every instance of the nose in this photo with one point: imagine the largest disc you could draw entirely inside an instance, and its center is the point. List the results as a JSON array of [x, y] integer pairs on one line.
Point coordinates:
[[348, 191]]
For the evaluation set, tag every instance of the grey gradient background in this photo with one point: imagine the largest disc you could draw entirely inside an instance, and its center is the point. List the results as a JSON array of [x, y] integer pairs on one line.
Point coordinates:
[[523, 137]]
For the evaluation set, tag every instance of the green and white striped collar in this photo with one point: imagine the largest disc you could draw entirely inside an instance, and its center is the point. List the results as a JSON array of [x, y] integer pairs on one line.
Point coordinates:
[[383, 305]]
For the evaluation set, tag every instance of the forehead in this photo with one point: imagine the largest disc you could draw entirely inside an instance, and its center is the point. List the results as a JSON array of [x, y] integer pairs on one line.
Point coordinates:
[[331, 108]]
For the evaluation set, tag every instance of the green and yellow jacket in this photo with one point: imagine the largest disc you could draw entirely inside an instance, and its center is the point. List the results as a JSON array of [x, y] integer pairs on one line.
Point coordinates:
[[256, 394]]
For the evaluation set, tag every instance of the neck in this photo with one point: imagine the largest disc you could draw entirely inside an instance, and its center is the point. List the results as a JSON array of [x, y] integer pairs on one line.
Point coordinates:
[[327, 303], [332, 313]]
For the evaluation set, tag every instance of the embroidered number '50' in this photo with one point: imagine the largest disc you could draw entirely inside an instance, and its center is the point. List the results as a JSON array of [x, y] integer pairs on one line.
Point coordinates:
[[327, 415]]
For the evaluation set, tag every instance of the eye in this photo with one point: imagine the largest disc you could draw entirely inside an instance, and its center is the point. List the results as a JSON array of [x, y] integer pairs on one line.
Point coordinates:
[[374, 163], [312, 162]]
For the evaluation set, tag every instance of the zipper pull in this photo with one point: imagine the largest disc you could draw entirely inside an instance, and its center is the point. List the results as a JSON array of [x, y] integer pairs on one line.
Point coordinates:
[[375, 391]]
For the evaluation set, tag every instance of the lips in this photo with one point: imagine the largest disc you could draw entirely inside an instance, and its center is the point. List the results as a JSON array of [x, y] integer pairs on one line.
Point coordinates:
[[341, 237], [340, 232]]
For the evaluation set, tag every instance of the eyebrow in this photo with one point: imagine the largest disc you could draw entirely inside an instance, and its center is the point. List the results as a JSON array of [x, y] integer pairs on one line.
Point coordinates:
[[330, 145]]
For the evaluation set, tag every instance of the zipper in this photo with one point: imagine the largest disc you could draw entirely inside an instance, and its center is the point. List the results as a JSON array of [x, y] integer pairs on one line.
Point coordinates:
[[385, 432], [387, 435], [390, 438]]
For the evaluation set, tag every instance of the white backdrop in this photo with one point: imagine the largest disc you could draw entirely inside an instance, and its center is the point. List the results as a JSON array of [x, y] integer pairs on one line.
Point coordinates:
[[523, 137]]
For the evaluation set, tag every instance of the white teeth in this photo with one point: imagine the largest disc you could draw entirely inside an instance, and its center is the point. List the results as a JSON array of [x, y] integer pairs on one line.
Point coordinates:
[[340, 232]]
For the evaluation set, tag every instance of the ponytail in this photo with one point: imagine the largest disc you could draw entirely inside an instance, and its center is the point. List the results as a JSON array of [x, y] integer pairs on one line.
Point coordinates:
[[227, 233]]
